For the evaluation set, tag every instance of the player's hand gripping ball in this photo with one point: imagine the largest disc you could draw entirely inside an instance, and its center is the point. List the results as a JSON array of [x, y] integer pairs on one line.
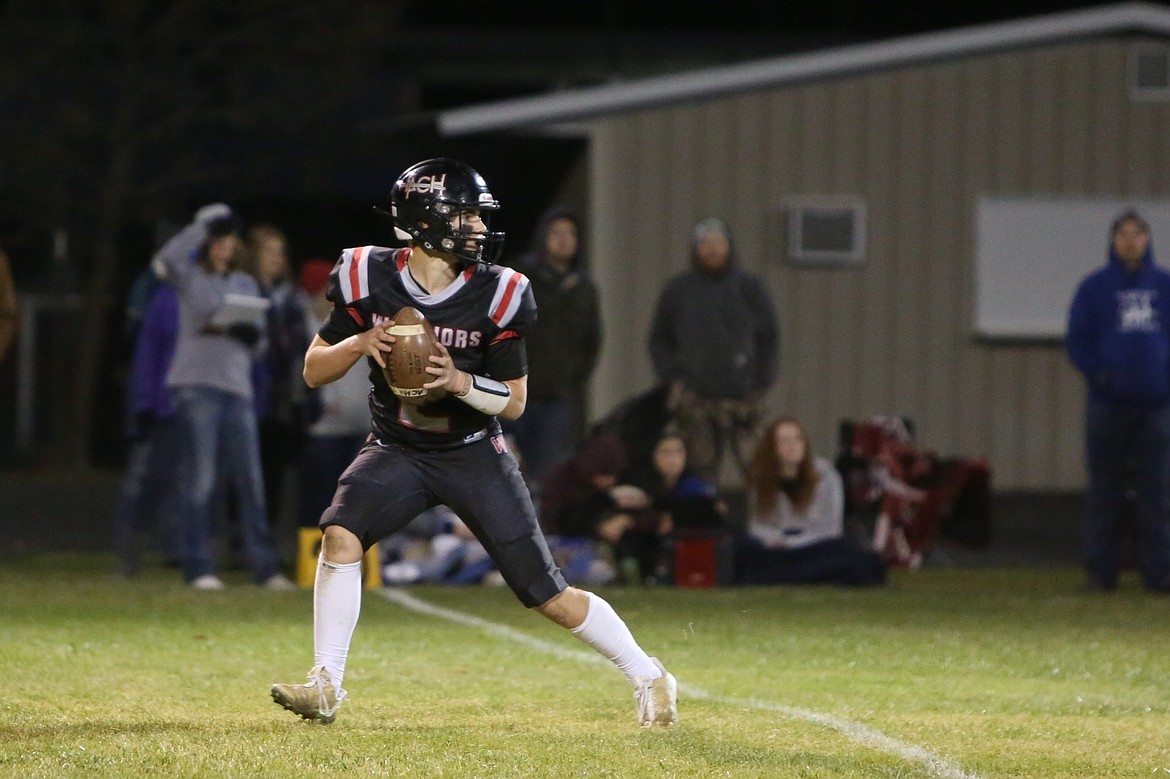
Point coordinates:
[[406, 366]]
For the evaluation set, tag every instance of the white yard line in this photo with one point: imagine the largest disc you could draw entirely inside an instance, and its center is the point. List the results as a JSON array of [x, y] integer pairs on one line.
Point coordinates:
[[937, 766]]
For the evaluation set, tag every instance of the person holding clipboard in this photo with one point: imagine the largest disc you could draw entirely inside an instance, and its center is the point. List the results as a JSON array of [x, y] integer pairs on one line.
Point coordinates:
[[221, 330]]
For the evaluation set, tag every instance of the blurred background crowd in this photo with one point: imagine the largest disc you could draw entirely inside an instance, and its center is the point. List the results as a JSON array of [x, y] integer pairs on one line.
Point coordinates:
[[122, 118]]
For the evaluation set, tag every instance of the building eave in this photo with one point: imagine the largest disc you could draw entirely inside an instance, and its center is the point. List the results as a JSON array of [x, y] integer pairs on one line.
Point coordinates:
[[594, 102]]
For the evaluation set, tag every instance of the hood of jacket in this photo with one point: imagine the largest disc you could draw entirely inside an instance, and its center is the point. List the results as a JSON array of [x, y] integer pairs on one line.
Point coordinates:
[[712, 225], [534, 257]]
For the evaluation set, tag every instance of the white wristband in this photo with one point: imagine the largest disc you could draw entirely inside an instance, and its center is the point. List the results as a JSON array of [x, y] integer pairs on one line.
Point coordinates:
[[486, 395]]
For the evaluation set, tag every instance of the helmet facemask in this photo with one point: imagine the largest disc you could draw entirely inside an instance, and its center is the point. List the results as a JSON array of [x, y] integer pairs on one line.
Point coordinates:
[[446, 229]]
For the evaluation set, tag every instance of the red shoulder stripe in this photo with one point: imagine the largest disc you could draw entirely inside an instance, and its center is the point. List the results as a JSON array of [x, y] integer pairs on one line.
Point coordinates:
[[355, 279], [356, 316], [502, 308]]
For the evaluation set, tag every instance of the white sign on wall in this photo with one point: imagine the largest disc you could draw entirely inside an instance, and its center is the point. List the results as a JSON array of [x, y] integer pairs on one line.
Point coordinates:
[[1031, 253]]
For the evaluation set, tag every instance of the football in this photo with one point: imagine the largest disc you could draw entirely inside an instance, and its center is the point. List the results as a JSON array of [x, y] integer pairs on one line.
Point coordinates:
[[406, 365]]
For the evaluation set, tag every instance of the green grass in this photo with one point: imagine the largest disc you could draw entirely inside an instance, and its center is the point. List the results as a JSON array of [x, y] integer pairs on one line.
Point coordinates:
[[996, 672]]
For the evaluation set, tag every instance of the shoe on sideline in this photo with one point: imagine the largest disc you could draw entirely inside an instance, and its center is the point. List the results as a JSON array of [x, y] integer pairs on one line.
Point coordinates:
[[279, 582], [207, 581]]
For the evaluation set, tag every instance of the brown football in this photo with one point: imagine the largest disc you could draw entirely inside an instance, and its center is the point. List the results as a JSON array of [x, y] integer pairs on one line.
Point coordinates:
[[406, 365]]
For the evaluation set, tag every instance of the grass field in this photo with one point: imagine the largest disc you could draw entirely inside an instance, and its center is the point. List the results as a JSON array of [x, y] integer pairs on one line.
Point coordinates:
[[944, 673]]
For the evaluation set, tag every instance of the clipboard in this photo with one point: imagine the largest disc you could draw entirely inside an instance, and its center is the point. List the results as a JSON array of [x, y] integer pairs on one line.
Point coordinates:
[[240, 309]]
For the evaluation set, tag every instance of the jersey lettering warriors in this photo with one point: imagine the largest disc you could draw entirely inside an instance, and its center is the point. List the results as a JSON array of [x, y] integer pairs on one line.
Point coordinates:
[[481, 317]]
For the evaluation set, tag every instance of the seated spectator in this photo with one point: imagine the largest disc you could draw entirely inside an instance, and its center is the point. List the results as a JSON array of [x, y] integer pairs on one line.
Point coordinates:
[[688, 499], [683, 504], [589, 497], [638, 422], [582, 504], [795, 531], [576, 492], [436, 548]]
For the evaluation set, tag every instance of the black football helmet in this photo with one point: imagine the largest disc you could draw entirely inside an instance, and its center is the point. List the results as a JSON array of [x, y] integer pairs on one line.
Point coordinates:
[[427, 203]]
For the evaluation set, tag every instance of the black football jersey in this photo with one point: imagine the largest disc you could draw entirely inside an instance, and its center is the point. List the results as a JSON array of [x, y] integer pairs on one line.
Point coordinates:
[[481, 317]]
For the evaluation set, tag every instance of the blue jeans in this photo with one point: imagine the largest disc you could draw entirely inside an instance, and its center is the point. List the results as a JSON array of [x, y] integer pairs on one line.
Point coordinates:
[[544, 436], [148, 498], [321, 464], [1127, 449], [221, 440]]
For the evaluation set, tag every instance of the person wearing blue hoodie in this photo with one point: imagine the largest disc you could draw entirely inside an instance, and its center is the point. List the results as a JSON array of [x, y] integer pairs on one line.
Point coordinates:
[[1119, 338]]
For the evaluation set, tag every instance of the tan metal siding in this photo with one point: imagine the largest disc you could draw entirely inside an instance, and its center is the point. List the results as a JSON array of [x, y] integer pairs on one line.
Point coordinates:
[[920, 145]]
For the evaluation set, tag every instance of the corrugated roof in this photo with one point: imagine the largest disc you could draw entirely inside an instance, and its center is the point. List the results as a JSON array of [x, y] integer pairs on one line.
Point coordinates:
[[571, 105]]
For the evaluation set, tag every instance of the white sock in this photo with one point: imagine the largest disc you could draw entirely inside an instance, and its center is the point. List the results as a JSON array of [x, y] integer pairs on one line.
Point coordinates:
[[337, 601], [605, 631]]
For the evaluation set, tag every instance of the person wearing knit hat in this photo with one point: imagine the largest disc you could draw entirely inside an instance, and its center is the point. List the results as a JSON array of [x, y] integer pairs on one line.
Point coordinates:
[[315, 275], [709, 225]]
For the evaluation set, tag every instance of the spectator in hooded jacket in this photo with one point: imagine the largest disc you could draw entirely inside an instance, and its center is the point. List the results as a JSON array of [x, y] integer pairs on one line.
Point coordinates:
[[579, 498], [562, 347], [714, 341], [1119, 338]]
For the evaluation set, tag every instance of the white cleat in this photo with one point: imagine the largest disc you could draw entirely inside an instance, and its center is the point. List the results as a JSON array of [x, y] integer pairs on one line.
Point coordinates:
[[657, 699], [317, 700]]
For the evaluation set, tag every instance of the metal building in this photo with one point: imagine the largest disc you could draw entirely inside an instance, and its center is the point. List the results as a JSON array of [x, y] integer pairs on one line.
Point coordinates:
[[912, 133]]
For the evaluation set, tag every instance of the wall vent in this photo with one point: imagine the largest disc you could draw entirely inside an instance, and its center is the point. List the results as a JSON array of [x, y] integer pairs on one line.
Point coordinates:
[[1149, 72], [826, 230]]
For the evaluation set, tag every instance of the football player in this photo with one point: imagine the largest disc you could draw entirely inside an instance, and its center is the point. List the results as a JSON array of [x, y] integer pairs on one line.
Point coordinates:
[[448, 450]]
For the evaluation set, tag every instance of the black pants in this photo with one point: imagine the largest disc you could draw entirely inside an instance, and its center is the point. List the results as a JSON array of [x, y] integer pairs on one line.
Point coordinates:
[[388, 485], [833, 561]]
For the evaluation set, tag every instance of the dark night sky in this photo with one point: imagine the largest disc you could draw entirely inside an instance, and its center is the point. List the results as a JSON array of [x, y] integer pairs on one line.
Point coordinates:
[[464, 52], [864, 17]]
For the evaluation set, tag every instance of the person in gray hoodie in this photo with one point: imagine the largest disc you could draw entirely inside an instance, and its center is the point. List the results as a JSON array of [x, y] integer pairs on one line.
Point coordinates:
[[211, 378], [714, 342]]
